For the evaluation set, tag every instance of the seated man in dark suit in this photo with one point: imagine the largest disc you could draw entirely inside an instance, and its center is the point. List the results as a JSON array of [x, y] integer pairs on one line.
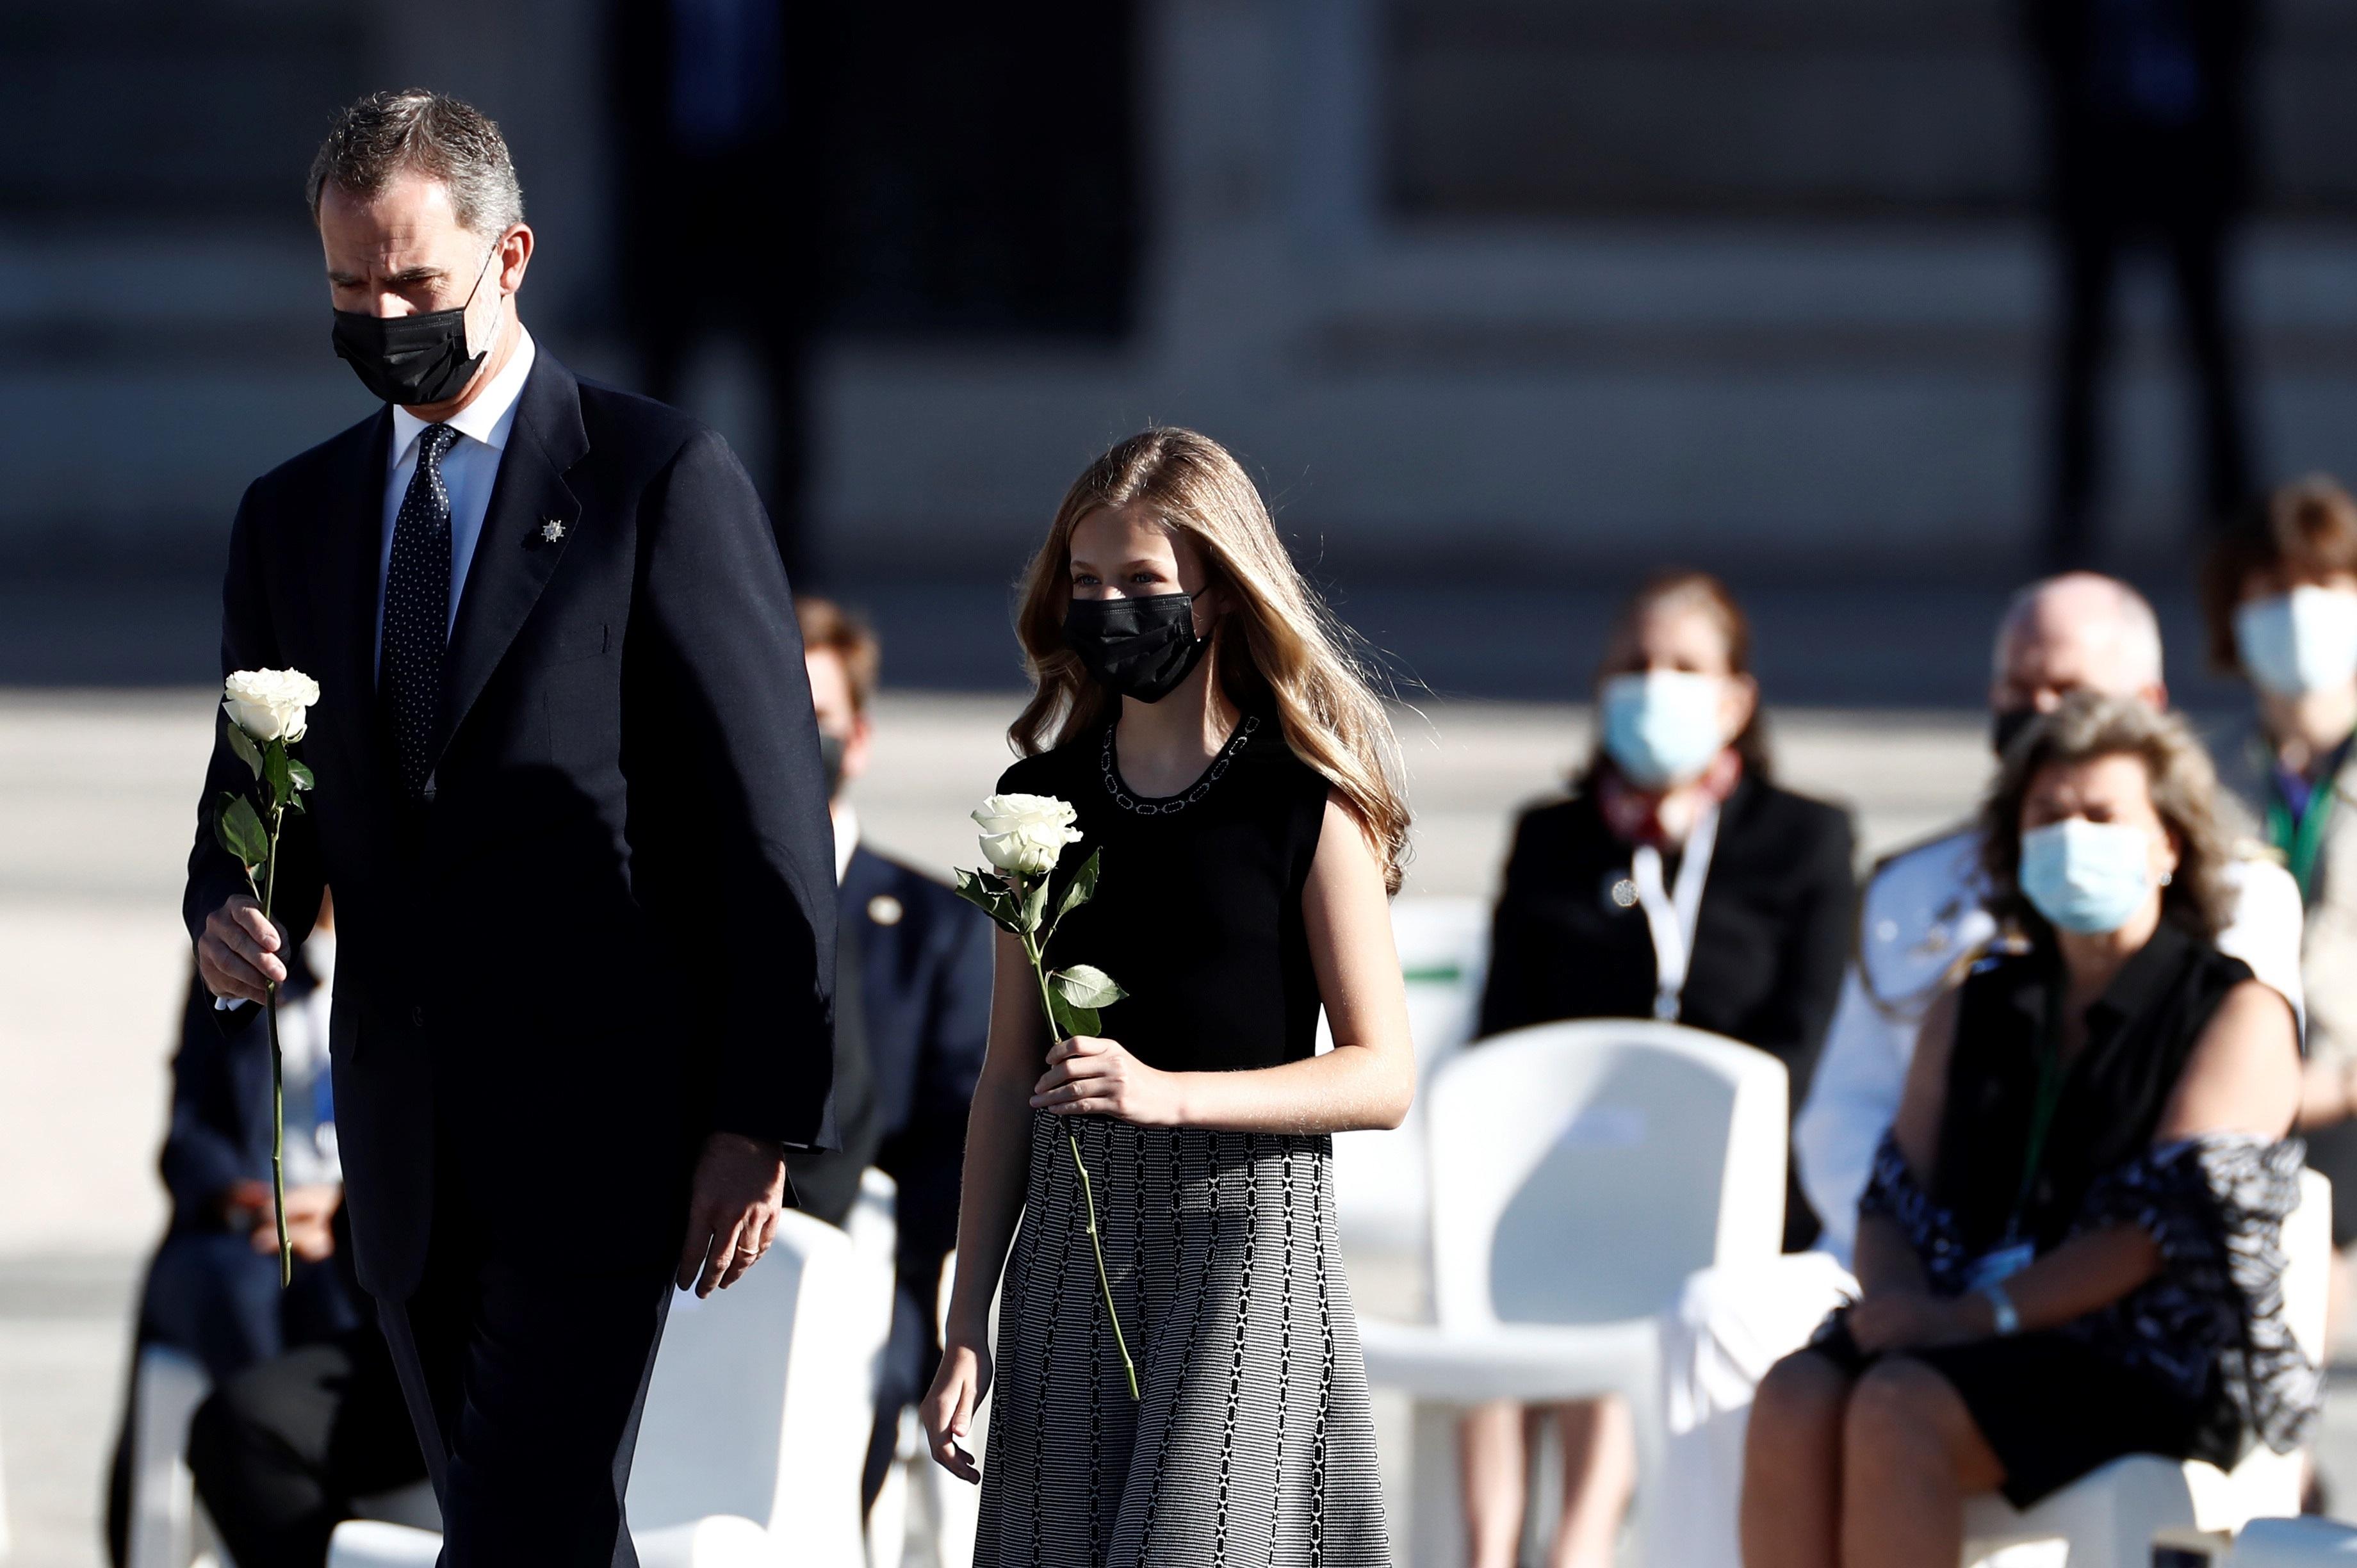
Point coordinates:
[[281, 1453], [213, 1289], [918, 1015]]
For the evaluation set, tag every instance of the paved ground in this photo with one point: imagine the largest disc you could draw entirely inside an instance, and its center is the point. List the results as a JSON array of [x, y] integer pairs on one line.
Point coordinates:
[[96, 791]]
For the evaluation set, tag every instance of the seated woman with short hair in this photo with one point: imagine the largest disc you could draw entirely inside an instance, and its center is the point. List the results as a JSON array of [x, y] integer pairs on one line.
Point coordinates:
[[2071, 1248]]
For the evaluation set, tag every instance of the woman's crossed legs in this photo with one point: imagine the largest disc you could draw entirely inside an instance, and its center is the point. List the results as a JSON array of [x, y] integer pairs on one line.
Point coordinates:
[[1870, 1471]]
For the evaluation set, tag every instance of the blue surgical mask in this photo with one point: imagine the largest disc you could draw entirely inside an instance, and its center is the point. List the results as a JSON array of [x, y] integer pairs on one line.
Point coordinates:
[[2086, 876], [2298, 642], [1663, 727]]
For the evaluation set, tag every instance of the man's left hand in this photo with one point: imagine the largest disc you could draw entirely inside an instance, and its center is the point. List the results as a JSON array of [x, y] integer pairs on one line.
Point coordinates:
[[732, 1210]]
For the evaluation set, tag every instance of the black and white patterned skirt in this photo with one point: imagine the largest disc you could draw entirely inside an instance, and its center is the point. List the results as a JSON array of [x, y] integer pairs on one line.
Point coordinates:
[[1252, 1444]]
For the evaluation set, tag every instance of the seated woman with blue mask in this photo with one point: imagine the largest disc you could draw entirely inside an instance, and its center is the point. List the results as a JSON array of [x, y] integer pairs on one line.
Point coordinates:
[[1678, 881], [2071, 1248]]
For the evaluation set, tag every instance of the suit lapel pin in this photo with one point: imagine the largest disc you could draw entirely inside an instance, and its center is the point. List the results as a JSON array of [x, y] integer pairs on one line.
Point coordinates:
[[552, 529], [885, 909]]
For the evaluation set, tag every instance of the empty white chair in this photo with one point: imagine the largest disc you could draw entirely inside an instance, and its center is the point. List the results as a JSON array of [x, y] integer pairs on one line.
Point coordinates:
[[2109, 1517], [1380, 1196], [168, 1387], [1579, 1173], [756, 1422], [2294, 1543]]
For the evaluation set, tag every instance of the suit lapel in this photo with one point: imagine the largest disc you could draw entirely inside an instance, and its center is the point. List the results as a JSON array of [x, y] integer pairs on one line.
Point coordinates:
[[515, 554]]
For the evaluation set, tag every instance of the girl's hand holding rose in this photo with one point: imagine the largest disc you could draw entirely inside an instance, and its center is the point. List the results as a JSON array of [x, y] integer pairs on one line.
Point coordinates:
[[1091, 1076]]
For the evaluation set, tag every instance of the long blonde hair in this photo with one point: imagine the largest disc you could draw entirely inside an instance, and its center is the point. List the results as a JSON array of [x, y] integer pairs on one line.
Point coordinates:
[[1292, 650]]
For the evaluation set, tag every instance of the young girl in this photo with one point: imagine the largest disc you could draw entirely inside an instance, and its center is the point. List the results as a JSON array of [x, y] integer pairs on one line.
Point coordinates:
[[1196, 708]]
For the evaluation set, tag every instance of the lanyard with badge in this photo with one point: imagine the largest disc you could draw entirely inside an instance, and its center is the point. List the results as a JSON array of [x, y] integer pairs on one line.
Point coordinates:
[[1673, 912], [2015, 1251], [2300, 835], [2302, 839]]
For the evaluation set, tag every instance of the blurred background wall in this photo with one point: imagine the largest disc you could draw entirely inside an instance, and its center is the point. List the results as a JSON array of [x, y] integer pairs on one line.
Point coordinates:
[[1476, 285]]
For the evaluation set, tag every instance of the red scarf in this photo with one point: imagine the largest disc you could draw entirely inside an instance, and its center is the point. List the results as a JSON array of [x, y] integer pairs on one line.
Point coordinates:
[[1638, 816]]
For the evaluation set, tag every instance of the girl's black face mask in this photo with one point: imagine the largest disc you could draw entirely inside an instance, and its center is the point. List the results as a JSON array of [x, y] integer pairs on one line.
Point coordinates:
[[413, 360], [1140, 647]]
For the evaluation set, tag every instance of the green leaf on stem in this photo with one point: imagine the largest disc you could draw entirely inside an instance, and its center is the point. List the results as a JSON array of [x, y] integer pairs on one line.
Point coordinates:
[[1085, 985], [239, 827], [1071, 1020], [242, 745], [1035, 904], [1082, 889], [984, 891], [274, 773], [301, 774]]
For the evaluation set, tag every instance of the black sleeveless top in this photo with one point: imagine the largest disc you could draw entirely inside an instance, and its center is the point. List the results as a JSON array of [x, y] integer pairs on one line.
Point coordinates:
[[2140, 1033], [1197, 906]]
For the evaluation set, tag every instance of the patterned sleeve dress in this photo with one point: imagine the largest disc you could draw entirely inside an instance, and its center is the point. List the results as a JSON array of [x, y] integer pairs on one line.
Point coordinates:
[[1252, 1442], [2197, 1363]]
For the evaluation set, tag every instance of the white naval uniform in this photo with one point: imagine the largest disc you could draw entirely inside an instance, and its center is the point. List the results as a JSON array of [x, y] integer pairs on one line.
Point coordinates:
[[1920, 915]]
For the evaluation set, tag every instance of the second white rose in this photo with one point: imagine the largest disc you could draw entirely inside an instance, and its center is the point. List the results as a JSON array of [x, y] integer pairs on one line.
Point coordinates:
[[1025, 834]]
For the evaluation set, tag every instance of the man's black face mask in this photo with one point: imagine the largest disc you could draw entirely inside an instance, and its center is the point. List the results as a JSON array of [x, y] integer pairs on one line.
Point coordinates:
[[412, 360], [2006, 726], [1140, 647]]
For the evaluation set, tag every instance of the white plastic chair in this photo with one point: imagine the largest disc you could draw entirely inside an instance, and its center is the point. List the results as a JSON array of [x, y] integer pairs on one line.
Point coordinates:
[[756, 1422], [2294, 1543], [168, 1385], [1380, 1202], [1580, 1171], [4, 1504], [2109, 1517]]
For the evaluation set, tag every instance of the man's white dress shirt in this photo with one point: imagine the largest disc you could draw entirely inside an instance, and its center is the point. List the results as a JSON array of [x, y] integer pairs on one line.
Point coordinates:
[[846, 837], [469, 469]]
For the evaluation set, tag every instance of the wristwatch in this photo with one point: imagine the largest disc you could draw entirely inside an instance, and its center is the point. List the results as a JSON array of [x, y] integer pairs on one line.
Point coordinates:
[[2007, 1320]]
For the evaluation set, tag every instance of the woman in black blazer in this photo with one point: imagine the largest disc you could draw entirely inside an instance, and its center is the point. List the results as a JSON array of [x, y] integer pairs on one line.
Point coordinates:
[[1676, 881]]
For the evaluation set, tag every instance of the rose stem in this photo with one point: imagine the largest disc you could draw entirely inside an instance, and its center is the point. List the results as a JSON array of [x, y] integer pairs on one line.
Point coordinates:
[[1088, 1191], [277, 1070]]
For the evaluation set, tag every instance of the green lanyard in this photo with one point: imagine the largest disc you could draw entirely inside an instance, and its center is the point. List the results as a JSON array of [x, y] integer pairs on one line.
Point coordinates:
[[2050, 1075], [2303, 840]]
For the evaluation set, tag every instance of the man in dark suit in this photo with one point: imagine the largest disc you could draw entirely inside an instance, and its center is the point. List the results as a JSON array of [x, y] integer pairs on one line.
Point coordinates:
[[280, 1451], [566, 761], [2148, 143], [912, 1015], [718, 110]]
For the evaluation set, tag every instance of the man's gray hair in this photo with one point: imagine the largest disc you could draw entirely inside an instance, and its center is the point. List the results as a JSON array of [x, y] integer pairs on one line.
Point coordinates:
[[2138, 629], [387, 134]]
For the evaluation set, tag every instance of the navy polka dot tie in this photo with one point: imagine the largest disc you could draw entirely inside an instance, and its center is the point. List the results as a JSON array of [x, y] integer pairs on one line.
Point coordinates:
[[417, 612]]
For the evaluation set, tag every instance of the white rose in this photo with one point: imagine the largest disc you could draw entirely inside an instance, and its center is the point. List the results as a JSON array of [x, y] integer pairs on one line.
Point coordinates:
[[1024, 833], [271, 705]]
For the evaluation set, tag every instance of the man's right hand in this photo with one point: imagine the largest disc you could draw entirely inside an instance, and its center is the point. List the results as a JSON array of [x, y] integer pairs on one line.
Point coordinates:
[[237, 955]]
